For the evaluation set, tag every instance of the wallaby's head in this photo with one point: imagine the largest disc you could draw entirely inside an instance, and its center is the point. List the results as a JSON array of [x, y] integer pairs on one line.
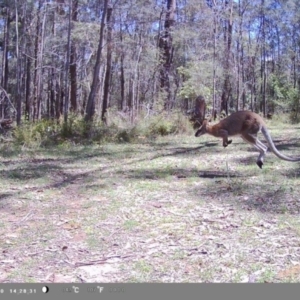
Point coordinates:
[[202, 129]]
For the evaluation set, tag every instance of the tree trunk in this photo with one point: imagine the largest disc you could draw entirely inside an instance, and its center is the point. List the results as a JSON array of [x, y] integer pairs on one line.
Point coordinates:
[[73, 63], [166, 53], [67, 66], [28, 89], [5, 71], [108, 66], [53, 87], [214, 63], [90, 107], [122, 82], [226, 93], [263, 61], [18, 81], [38, 55]]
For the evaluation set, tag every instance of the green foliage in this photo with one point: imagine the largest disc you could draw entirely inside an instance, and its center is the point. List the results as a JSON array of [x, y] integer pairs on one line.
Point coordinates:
[[33, 135], [120, 130], [166, 124], [161, 126], [286, 97], [75, 127], [284, 93], [280, 118], [197, 79], [295, 113]]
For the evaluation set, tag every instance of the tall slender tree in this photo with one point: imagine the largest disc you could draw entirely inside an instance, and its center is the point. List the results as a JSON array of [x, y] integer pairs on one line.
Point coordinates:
[[108, 65], [226, 92], [166, 52], [73, 61], [90, 107]]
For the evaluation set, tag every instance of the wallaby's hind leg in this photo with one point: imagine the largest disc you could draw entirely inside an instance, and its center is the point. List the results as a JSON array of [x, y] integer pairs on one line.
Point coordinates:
[[254, 141]]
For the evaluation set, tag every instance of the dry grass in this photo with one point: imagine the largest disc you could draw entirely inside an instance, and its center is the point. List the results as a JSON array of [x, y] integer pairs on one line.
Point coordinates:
[[178, 209]]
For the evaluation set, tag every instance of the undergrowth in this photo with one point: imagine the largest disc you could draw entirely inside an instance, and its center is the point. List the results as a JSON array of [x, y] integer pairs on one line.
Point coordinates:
[[119, 130]]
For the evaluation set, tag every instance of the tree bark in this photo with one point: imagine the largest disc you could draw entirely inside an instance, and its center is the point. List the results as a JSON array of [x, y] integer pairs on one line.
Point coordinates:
[[67, 65], [5, 70], [166, 53], [73, 63], [263, 61], [226, 93], [108, 66], [18, 83], [90, 107]]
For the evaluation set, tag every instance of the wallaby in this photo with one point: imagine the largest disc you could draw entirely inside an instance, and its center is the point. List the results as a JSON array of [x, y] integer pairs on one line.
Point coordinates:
[[246, 124]]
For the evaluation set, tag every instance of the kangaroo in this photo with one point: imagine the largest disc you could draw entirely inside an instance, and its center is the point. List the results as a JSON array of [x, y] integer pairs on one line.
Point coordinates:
[[247, 124]]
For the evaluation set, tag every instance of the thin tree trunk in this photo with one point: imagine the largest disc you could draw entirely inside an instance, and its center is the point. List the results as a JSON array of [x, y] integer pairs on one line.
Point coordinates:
[[214, 64], [238, 47], [228, 39], [73, 63], [67, 66], [28, 89], [5, 70], [122, 82], [108, 66], [263, 63], [122, 74], [36, 53], [90, 107], [54, 98], [166, 53], [19, 96]]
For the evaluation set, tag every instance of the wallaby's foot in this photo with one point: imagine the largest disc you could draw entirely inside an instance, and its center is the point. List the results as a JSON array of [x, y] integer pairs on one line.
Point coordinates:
[[259, 163], [225, 144]]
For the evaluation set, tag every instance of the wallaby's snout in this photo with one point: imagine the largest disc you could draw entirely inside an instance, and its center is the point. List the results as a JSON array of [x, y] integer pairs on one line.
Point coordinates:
[[202, 129]]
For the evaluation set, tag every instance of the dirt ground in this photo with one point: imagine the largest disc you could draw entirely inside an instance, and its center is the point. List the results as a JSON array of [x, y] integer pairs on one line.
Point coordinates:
[[176, 209]]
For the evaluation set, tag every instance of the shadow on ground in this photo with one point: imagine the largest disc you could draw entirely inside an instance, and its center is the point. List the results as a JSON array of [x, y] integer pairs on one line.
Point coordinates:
[[242, 193]]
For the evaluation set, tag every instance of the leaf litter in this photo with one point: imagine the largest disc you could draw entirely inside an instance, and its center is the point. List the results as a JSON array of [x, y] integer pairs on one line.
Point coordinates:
[[120, 218]]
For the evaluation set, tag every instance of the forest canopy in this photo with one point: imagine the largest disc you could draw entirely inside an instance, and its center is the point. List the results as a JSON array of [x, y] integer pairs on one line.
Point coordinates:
[[144, 57]]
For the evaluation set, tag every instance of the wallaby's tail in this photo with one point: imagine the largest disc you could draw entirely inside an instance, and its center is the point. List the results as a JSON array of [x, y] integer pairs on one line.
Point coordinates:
[[267, 135]]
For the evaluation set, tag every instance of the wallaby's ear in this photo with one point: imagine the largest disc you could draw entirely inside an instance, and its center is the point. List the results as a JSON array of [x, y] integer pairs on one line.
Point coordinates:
[[208, 118], [202, 128], [197, 132], [204, 123]]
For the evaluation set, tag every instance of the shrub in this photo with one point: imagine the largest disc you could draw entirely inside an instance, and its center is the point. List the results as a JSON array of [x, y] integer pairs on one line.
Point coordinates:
[[76, 130], [33, 135], [165, 124]]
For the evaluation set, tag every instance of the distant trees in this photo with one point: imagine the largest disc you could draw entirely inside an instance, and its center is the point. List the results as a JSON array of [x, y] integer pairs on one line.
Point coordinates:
[[142, 57]]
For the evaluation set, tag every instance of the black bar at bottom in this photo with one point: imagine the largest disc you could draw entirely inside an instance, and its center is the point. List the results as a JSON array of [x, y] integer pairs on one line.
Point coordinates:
[[149, 291]]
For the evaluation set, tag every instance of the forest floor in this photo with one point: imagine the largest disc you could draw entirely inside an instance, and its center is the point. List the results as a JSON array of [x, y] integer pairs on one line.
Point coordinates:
[[175, 209]]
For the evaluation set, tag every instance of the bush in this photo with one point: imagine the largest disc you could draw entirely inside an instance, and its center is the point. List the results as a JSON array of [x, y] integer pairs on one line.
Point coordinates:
[[165, 124], [33, 135], [76, 130]]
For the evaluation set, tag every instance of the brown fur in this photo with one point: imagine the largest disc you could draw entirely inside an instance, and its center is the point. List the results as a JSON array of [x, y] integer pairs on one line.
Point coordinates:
[[199, 112], [246, 124]]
